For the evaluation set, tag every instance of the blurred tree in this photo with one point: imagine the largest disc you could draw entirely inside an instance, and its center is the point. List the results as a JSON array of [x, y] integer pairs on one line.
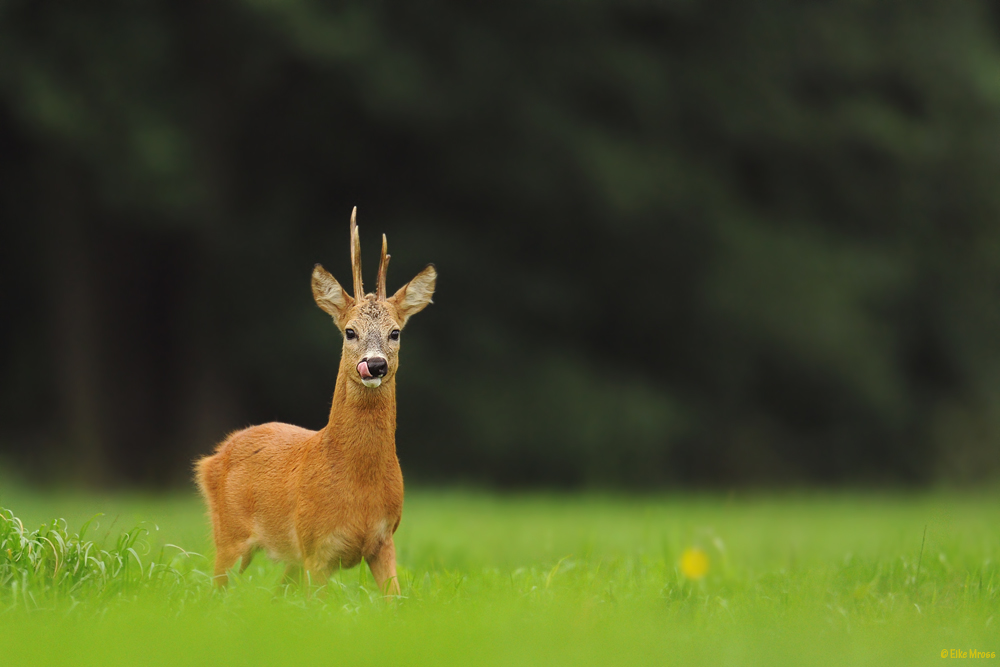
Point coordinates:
[[686, 242]]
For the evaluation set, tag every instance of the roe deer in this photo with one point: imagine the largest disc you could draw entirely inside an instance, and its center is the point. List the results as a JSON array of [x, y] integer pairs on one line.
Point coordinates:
[[324, 499]]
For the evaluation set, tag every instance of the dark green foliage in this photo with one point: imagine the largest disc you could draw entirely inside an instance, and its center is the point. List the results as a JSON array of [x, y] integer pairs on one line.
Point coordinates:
[[681, 242]]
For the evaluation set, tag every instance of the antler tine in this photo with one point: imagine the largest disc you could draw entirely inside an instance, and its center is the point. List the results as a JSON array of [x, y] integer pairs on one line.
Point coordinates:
[[383, 266], [359, 288]]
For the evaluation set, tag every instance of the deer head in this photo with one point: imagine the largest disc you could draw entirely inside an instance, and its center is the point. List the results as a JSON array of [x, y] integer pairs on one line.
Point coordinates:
[[371, 323]]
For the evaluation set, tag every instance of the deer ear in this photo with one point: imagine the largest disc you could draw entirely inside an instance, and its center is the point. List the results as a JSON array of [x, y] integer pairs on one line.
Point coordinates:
[[329, 295], [416, 294]]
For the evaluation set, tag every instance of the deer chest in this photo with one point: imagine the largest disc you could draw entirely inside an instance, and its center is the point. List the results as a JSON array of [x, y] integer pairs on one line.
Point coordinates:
[[345, 545]]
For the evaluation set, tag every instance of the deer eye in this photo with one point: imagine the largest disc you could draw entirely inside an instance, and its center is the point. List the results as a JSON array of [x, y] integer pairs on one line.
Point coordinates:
[[394, 334], [350, 334]]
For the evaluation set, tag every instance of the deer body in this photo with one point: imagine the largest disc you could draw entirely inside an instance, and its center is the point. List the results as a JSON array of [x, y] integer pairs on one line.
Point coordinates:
[[329, 498]]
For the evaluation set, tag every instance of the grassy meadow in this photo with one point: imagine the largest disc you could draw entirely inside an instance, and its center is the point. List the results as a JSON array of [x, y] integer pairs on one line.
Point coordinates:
[[496, 579]]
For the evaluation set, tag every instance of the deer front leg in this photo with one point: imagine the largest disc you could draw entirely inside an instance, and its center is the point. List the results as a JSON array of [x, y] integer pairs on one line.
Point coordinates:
[[383, 567]]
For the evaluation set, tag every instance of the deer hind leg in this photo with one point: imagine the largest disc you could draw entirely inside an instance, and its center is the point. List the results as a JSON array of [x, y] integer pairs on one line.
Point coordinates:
[[245, 559], [383, 567], [315, 572], [293, 573], [229, 548]]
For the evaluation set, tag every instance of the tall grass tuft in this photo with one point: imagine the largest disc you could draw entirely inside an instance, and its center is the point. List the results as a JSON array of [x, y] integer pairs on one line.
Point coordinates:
[[44, 566]]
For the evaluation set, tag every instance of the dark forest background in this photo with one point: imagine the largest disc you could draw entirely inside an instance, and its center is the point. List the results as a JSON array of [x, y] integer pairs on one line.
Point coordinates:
[[680, 243]]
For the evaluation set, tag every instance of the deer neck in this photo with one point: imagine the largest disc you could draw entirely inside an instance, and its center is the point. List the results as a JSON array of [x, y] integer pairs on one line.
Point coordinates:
[[362, 428]]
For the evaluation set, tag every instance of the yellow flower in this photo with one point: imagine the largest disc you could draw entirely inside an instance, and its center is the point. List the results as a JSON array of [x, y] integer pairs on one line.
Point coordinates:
[[694, 563]]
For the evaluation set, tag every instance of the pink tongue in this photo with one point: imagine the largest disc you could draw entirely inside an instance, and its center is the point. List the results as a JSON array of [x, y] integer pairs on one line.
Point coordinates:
[[363, 370]]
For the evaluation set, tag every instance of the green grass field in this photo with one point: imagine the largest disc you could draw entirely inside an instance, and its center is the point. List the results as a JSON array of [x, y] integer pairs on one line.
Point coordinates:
[[531, 579]]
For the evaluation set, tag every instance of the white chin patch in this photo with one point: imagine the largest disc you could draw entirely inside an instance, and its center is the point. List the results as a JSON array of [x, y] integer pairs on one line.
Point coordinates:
[[372, 382]]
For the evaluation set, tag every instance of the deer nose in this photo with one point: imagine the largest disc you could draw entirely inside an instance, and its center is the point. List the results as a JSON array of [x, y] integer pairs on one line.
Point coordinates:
[[378, 367]]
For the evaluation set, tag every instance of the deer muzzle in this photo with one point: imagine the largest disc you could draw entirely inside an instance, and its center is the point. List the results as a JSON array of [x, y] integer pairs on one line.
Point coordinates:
[[372, 370]]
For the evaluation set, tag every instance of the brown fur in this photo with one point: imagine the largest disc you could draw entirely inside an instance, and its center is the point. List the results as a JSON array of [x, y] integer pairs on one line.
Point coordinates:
[[328, 498]]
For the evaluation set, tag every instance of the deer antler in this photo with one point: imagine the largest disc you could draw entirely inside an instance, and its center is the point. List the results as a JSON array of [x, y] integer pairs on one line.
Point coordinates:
[[359, 288], [383, 265]]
